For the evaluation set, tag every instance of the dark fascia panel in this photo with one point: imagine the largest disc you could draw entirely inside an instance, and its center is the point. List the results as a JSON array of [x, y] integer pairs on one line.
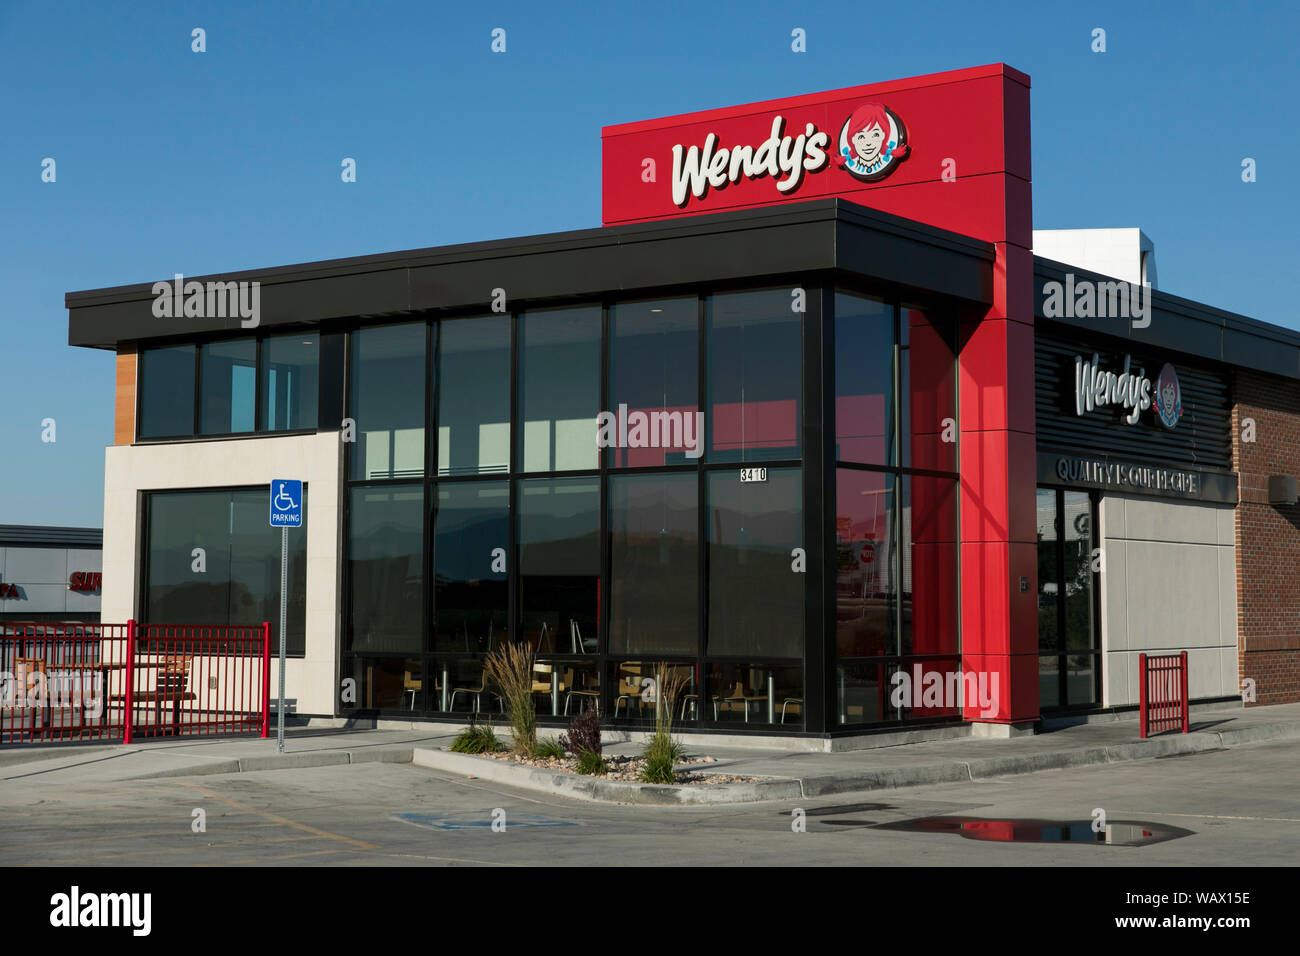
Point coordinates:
[[1181, 325], [24, 535], [824, 235]]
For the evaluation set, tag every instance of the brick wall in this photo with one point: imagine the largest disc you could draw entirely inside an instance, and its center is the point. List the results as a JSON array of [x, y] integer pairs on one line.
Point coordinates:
[[1267, 536]]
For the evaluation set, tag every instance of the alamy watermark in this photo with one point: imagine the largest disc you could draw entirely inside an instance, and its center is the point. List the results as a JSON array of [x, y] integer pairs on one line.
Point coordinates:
[[210, 300], [75, 909], [663, 429], [1086, 299], [948, 690], [56, 688]]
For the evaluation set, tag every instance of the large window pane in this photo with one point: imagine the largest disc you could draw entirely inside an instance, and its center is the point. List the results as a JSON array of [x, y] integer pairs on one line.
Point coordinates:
[[1082, 671], [474, 396], [927, 362], [864, 380], [385, 568], [929, 559], [865, 543], [227, 386], [167, 392], [654, 564], [1048, 630], [290, 377], [654, 381], [559, 388], [755, 352], [559, 564], [756, 694], [386, 683], [756, 597], [1077, 551], [255, 567], [470, 558], [643, 689], [387, 376], [176, 592], [236, 579]]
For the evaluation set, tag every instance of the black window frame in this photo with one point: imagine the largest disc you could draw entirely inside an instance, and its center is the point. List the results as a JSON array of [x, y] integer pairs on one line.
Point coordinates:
[[325, 393], [817, 660], [1062, 653]]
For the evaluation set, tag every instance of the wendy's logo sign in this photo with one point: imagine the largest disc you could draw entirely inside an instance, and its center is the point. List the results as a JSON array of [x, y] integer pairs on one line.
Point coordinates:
[[1169, 397], [872, 142], [780, 155]]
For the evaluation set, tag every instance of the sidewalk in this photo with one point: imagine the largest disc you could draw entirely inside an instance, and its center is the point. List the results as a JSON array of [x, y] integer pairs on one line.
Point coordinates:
[[817, 773]]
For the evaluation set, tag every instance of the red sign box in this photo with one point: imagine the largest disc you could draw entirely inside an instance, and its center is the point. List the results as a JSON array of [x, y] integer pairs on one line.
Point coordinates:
[[949, 149]]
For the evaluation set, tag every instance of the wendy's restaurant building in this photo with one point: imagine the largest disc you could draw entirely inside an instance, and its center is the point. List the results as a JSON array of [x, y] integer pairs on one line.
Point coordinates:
[[806, 421]]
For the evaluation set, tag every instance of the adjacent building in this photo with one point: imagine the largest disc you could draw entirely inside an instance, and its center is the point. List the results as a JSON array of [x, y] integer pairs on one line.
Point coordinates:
[[49, 574]]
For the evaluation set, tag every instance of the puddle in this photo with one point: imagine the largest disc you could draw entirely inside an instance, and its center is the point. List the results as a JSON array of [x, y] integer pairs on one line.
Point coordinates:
[[479, 821], [1119, 833]]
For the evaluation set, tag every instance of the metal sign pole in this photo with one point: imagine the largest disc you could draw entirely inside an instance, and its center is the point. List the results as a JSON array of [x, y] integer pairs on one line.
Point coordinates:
[[284, 594]]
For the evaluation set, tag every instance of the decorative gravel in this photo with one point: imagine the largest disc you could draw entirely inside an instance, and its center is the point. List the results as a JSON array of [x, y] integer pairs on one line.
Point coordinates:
[[627, 769]]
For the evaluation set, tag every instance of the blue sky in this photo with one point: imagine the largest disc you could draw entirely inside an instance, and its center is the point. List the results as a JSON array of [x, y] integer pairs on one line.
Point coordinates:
[[172, 161]]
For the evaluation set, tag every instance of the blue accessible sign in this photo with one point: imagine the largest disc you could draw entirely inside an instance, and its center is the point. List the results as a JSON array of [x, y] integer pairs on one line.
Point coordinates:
[[286, 503]]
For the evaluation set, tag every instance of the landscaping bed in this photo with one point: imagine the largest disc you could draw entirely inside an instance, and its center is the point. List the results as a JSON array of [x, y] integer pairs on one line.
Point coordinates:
[[626, 768]]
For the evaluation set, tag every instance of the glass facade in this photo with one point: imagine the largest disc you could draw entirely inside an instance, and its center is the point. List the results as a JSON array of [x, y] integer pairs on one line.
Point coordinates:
[[211, 558], [895, 488], [548, 467], [290, 381], [229, 387], [385, 568], [654, 564], [388, 401], [621, 486], [166, 391], [755, 593], [755, 349], [559, 564], [471, 537], [1069, 664], [473, 397], [559, 389], [654, 381]]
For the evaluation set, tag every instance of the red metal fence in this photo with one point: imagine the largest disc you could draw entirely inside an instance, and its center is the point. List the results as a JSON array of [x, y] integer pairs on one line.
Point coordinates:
[[1162, 693], [118, 682]]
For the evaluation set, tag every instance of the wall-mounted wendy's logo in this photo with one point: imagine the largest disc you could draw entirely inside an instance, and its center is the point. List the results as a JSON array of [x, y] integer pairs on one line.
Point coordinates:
[[872, 142], [1169, 397]]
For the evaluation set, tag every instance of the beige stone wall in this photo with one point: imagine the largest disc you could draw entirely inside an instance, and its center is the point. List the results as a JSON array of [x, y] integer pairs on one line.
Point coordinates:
[[316, 459]]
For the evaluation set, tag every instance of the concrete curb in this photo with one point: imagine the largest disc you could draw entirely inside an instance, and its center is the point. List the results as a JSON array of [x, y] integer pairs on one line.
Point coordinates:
[[774, 788], [288, 761], [786, 788], [1277, 731], [14, 758], [594, 788]]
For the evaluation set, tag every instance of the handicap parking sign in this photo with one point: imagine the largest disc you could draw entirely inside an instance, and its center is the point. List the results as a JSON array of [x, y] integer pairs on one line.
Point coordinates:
[[286, 503]]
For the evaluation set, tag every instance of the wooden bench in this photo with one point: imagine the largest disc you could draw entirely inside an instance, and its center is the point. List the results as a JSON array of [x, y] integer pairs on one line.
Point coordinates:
[[171, 686]]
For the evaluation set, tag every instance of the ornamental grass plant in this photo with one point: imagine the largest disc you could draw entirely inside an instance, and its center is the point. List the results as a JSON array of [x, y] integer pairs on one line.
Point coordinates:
[[510, 668]]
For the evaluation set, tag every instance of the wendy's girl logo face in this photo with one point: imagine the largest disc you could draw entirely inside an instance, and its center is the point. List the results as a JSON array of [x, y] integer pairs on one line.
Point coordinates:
[[1169, 397], [872, 142]]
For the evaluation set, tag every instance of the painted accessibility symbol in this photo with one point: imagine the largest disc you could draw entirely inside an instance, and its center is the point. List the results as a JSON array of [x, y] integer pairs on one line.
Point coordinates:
[[286, 503]]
